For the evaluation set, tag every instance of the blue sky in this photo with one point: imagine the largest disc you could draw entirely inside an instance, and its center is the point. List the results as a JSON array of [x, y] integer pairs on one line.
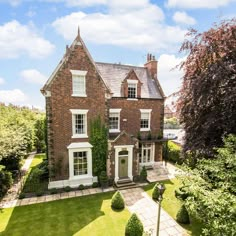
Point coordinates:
[[34, 34]]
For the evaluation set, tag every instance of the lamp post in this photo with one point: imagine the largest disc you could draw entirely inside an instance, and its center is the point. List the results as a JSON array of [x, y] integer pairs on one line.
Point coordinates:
[[161, 190]]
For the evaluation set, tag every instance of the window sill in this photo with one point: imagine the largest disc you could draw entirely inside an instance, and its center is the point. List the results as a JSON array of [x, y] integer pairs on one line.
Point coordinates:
[[114, 131], [81, 176], [145, 129], [79, 136], [79, 95], [132, 99]]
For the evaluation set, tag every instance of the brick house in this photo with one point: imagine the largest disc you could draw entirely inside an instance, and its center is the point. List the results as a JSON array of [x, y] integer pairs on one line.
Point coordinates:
[[128, 99]]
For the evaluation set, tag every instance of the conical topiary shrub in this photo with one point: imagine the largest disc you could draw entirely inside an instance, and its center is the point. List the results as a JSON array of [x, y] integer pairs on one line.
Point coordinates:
[[182, 215], [134, 226], [155, 192], [117, 201]]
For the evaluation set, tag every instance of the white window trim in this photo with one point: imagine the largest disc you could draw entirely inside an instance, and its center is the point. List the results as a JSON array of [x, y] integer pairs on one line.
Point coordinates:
[[79, 73], [115, 111], [130, 81], [79, 112], [136, 88], [152, 155], [149, 120], [87, 148]]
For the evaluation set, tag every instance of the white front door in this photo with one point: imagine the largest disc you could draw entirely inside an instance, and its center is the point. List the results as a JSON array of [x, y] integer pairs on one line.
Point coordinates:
[[123, 161]]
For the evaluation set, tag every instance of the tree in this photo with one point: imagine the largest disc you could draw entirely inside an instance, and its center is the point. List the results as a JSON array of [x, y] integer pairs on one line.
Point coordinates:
[[211, 189], [208, 94], [98, 138]]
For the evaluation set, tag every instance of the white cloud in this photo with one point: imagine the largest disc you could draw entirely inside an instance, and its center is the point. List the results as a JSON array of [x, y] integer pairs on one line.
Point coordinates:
[[131, 25], [33, 76], [170, 79], [198, 3], [17, 39], [1, 81], [14, 3], [15, 96], [183, 18], [86, 3]]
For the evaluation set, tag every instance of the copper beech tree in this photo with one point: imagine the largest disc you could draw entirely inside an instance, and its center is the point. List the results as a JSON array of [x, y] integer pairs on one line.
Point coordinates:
[[208, 94]]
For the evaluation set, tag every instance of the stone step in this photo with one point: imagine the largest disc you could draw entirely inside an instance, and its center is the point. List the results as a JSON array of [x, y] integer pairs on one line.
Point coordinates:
[[125, 183]]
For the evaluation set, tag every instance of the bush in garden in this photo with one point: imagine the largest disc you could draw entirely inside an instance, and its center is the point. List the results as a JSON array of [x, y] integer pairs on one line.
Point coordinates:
[[103, 179], [181, 193], [22, 195], [67, 189], [155, 192], [143, 174], [81, 187], [95, 185], [53, 191], [182, 215], [174, 153], [43, 166], [117, 201], [5, 181], [134, 226], [39, 193]]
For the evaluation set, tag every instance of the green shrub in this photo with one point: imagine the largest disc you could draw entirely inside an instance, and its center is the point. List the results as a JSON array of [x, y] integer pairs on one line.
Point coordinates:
[[103, 179], [81, 187], [143, 174], [134, 226], [39, 193], [155, 192], [67, 189], [181, 193], [53, 191], [174, 153], [95, 185], [43, 166], [117, 201], [22, 195], [5, 181], [182, 215]]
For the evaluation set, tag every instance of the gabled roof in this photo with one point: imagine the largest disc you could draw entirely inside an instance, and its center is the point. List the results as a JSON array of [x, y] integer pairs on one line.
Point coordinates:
[[114, 74], [78, 41]]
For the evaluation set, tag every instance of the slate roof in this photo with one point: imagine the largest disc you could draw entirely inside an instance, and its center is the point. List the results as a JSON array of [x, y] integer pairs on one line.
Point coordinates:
[[114, 74]]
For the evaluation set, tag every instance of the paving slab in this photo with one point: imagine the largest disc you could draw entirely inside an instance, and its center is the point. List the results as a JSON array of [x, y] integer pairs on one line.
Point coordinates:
[[137, 201]]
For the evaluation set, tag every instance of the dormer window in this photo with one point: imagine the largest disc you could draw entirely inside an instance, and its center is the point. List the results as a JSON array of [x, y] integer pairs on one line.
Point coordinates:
[[132, 88], [78, 83]]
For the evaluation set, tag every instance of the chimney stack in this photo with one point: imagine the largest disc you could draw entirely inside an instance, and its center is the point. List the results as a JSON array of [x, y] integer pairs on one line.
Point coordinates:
[[151, 65]]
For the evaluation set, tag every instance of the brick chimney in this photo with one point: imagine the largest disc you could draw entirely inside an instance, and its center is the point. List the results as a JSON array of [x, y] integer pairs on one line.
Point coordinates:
[[151, 65]]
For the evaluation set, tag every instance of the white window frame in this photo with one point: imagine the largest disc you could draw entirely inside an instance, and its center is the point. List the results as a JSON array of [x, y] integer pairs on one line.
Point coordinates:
[[135, 82], [80, 147], [145, 111], [115, 111], [79, 112], [152, 151], [75, 74]]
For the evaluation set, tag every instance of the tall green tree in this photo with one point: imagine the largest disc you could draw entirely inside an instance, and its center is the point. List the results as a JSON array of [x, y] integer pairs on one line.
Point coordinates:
[[211, 188], [208, 94], [99, 140]]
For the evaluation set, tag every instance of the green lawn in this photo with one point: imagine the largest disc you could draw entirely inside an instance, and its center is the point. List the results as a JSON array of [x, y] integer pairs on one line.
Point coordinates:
[[29, 185], [171, 204], [88, 215]]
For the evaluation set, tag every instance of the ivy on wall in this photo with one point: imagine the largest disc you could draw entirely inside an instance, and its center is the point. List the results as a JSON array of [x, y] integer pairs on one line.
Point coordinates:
[[99, 140]]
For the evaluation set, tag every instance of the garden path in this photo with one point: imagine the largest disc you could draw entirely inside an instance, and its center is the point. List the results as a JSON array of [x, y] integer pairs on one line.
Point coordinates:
[[137, 201], [11, 197]]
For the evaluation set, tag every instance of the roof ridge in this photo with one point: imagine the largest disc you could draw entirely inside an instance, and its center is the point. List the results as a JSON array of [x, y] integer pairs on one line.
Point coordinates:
[[118, 64]]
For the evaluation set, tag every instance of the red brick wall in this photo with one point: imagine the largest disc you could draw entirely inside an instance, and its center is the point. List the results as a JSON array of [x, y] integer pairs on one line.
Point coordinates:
[[61, 102], [131, 112]]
